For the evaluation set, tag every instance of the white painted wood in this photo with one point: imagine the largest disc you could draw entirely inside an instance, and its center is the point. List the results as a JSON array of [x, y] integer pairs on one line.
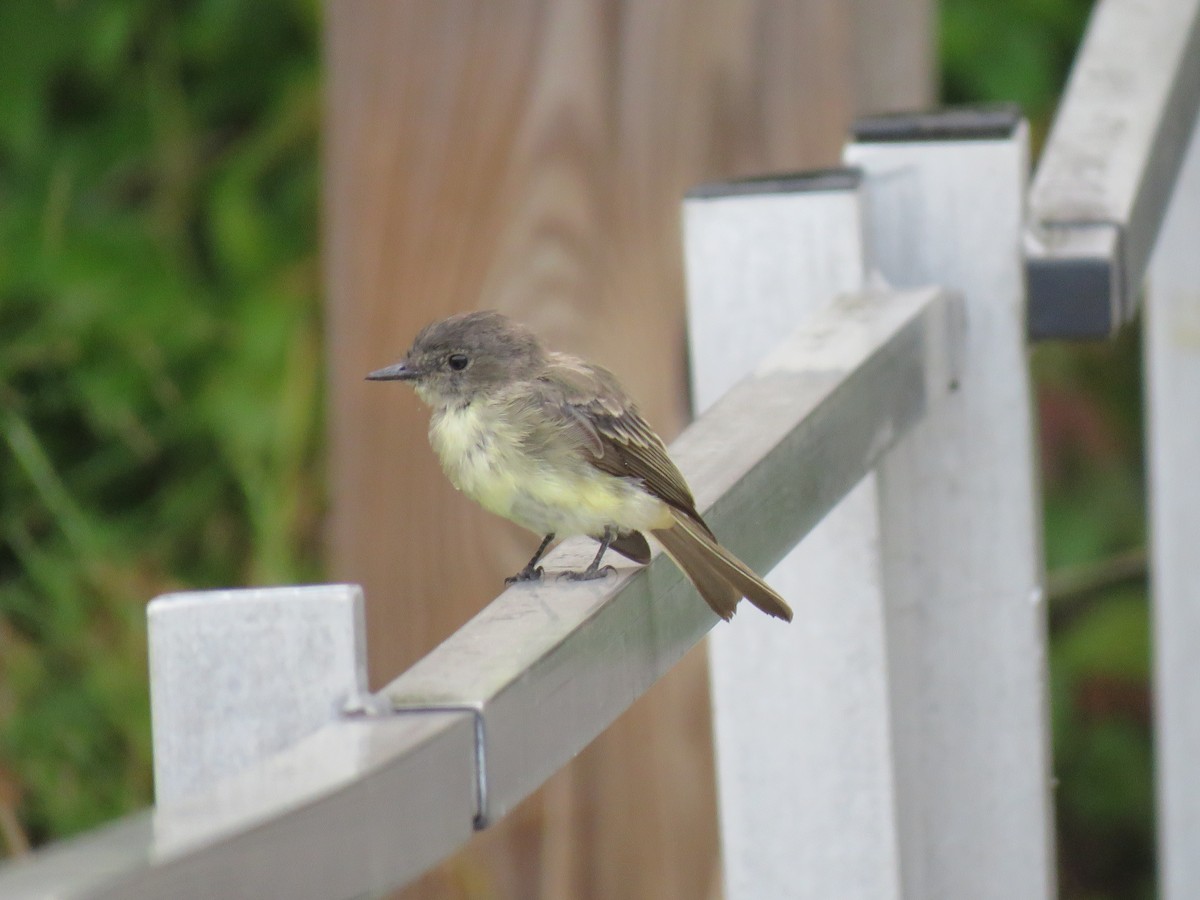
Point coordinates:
[[756, 265], [800, 714], [357, 808], [1172, 336], [961, 537], [240, 674]]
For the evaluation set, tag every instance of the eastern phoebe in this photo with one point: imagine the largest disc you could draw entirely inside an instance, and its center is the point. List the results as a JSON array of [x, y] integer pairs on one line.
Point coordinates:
[[554, 444]]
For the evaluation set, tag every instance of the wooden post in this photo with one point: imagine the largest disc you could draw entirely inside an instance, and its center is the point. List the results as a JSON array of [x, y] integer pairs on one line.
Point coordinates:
[[531, 156]]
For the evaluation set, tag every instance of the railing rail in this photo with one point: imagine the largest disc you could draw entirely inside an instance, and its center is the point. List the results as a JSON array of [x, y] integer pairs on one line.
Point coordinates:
[[508, 699], [1110, 164]]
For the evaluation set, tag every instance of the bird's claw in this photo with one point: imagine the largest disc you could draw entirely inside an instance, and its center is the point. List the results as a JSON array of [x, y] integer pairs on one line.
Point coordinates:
[[588, 574], [529, 573]]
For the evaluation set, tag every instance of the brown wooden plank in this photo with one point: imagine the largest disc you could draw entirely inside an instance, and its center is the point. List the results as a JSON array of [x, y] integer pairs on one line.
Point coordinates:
[[531, 156]]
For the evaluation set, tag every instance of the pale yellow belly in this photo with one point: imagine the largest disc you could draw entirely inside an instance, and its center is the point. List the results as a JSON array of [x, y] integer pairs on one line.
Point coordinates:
[[563, 493]]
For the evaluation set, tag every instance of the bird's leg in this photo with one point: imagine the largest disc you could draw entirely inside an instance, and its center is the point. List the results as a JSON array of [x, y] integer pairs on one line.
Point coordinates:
[[532, 571], [594, 570]]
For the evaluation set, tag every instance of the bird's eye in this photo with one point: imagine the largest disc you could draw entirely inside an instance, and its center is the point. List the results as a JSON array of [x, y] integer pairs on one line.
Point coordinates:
[[457, 361]]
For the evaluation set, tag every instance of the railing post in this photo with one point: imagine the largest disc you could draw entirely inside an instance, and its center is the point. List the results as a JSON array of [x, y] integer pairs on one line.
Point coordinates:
[[240, 674], [961, 525], [800, 711], [1172, 352]]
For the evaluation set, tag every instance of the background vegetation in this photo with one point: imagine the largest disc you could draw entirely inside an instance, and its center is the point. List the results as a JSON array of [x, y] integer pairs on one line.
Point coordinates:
[[160, 392], [160, 365]]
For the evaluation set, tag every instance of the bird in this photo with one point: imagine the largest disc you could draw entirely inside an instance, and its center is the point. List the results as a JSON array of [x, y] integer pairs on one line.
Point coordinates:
[[555, 444]]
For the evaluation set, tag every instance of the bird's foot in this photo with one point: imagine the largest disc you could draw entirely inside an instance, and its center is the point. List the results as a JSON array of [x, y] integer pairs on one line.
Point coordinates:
[[588, 574], [529, 573]]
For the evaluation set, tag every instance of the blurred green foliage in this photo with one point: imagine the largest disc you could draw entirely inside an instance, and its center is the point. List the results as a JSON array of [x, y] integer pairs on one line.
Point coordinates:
[[160, 358], [1090, 404], [1017, 51], [160, 389]]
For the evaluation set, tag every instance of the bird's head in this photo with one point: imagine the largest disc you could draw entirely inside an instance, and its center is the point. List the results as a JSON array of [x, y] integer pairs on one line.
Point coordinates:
[[470, 355]]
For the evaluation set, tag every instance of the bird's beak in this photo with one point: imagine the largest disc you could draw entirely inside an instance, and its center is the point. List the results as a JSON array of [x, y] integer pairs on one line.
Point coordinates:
[[401, 371]]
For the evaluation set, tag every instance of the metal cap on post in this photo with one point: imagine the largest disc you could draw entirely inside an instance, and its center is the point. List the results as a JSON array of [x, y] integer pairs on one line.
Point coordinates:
[[965, 123], [238, 675]]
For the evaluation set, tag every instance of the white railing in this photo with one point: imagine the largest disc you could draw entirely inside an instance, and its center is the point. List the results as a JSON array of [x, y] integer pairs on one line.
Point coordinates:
[[858, 342]]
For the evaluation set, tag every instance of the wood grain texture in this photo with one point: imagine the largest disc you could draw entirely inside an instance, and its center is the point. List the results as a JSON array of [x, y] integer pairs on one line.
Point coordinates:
[[531, 156]]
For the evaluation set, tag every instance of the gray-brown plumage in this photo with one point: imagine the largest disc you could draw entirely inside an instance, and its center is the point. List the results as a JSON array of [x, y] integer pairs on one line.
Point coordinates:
[[554, 443]]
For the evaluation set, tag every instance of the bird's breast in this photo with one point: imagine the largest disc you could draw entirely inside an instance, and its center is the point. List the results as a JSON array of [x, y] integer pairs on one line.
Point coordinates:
[[479, 454], [487, 455]]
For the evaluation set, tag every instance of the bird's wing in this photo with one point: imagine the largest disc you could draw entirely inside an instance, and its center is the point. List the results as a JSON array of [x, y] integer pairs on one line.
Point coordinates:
[[613, 431]]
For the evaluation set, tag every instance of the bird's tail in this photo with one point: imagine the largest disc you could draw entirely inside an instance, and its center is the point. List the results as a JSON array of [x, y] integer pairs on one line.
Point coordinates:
[[721, 578]]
